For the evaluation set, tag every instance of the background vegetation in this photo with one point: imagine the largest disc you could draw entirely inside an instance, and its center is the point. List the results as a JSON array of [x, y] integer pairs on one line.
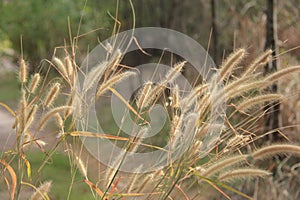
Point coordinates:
[[44, 25]]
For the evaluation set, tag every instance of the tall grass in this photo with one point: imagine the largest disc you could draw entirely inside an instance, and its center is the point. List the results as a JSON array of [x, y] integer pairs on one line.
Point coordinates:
[[233, 156]]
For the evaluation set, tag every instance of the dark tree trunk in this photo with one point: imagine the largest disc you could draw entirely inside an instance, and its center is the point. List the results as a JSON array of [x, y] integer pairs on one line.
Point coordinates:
[[273, 109], [214, 32]]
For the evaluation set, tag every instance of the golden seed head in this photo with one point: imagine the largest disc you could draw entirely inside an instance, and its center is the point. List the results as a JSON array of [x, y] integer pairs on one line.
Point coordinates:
[[174, 72], [23, 71], [233, 59], [52, 94], [34, 83], [69, 66], [60, 66], [143, 95], [59, 120]]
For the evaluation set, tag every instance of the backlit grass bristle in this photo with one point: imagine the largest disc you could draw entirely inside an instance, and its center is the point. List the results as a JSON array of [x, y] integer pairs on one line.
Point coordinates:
[[51, 96], [69, 103], [23, 71], [243, 173], [233, 60], [154, 93], [250, 102], [93, 76], [176, 125], [59, 120], [113, 81], [198, 91], [259, 61], [60, 66], [174, 72], [234, 92], [114, 62], [175, 97], [51, 113], [34, 83], [81, 167], [134, 179], [281, 73], [136, 141], [276, 149], [240, 81], [41, 192], [143, 95], [69, 66], [32, 112], [23, 111]]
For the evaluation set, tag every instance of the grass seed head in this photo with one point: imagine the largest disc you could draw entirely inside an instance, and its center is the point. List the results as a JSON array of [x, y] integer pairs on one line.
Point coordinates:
[[51, 96], [41, 192], [232, 61], [60, 66], [34, 83], [23, 72]]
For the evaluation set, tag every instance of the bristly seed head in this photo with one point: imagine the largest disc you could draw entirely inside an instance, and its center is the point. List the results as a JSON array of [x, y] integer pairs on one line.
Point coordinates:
[[23, 71], [52, 94], [34, 83], [60, 66], [233, 60], [69, 66]]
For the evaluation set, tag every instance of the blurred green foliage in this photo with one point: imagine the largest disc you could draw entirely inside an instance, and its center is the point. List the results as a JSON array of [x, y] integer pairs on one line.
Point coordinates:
[[43, 24]]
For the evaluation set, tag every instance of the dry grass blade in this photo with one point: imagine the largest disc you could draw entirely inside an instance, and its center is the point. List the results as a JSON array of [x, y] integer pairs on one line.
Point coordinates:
[[94, 187], [97, 135], [115, 92], [8, 109], [242, 173], [94, 75], [275, 149], [13, 178]]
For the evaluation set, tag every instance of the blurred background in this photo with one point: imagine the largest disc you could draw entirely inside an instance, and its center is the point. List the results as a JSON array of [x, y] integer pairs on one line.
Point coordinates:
[[220, 26]]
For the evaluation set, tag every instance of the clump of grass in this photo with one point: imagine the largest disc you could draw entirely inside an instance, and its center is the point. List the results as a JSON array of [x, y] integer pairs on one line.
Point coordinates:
[[189, 116]]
